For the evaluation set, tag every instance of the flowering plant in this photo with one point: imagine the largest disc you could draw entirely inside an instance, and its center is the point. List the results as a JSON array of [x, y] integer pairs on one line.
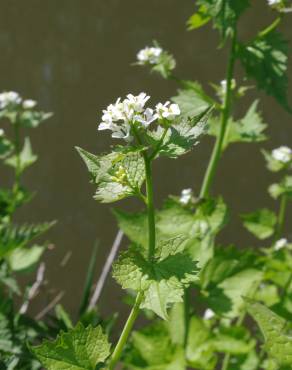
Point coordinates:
[[197, 295]]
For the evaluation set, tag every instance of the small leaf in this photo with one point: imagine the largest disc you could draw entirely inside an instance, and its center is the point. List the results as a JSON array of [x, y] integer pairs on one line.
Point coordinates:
[[78, 349], [26, 157], [260, 223], [278, 342], [198, 19], [282, 188], [117, 175], [23, 259]]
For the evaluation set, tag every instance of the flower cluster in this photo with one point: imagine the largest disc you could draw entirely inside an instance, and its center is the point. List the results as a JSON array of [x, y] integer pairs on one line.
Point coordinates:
[[123, 114], [282, 154], [149, 55], [12, 98]]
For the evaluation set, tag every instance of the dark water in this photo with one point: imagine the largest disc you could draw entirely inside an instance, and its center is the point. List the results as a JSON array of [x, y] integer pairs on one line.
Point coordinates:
[[74, 57]]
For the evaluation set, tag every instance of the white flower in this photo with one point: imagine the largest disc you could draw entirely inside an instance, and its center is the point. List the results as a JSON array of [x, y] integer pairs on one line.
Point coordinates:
[[146, 118], [149, 55], [1, 132], [209, 314], [136, 103], [166, 111], [274, 2], [10, 97], [282, 154], [186, 196], [281, 243], [29, 104]]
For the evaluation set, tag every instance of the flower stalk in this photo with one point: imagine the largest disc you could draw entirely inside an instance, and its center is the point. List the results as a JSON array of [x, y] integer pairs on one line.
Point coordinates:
[[218, 148]]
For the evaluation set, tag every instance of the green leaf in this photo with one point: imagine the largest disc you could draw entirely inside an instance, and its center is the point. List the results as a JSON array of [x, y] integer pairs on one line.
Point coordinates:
[[249, 129], [264, 56], [198, 19], [12, 237], [26, 157], [223, 12], [163, 280], [278, 342], [5, 147], [117, 175], [282, 188], [32, 118], [192, 101], [24, 259], [226, 297], [78, 349], [260, 223], [200, 350], [152, 349]]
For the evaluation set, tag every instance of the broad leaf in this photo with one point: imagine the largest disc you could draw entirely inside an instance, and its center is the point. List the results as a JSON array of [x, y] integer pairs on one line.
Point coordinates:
[[278, 341], [117, 175], [267, 56], [78, 349], [260, 223], [163, 280], [192, 101]]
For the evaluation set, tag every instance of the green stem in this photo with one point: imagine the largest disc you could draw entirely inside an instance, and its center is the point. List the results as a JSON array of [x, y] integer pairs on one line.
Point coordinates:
[[281, 217], [125, 333], [271, 27], [150, 208], [156, 150], [151, 251], [17, 155], [218, 148]]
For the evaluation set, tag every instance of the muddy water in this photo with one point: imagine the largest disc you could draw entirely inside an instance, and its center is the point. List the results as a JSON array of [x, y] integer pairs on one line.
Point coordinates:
[[74, 57]]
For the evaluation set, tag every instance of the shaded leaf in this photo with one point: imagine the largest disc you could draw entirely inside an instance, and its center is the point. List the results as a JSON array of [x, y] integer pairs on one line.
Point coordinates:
[[260, 223], [78, 349]]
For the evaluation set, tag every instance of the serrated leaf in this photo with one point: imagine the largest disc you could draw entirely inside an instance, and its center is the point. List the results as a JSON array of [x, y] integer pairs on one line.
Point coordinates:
[[192, 101], [268, 56], [26, 157], [249, 129], [163, 280], [260, 223], [78, 349], [278, 342], [223, 12], [12, 237], [117, 175]]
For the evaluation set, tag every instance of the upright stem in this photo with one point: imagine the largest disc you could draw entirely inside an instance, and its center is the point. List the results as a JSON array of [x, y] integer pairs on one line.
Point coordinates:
[[150, 208], [151, 251], [217, 151], [17, 155], [125, 333], [281, 216]]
